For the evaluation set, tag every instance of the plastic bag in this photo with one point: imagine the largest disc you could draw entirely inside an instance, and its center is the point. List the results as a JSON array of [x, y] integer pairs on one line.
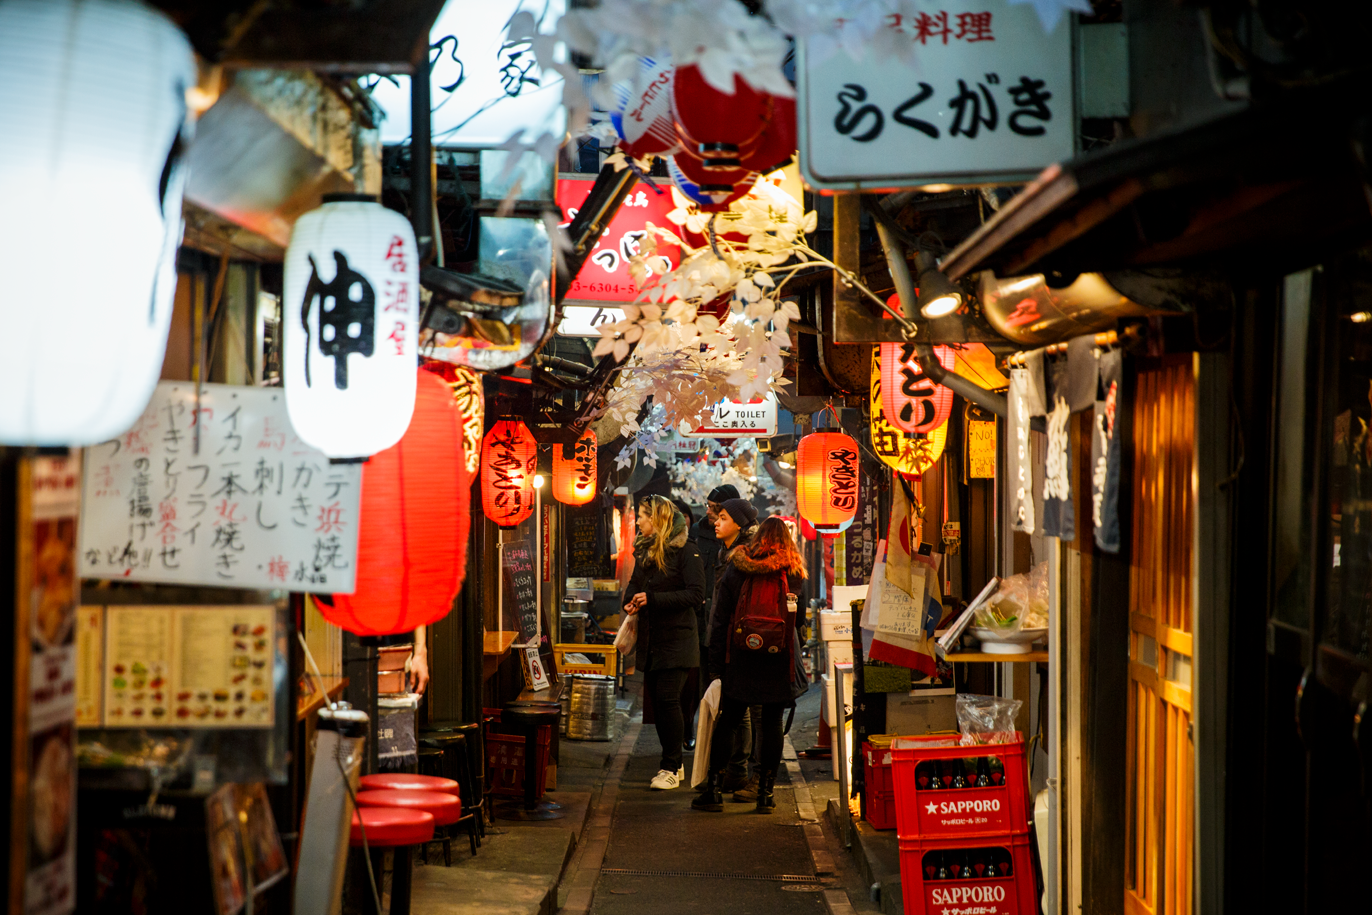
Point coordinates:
[[705, 731], [987, 719], [627, 636], [1021, 602]]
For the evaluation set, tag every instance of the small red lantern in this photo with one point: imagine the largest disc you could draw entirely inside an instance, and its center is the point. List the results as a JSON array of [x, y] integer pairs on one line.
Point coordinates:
[[509, 457], [827, 470], [574, 470], [412, 524], [910, 400], [776, 147], [715, 126]]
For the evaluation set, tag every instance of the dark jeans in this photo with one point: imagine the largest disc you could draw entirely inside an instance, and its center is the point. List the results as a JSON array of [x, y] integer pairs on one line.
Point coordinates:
[[745, 744], [665, 687], [769, 740]]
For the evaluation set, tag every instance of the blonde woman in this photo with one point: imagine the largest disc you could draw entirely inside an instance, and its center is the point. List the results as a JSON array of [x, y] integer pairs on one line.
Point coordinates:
[[665, 591]]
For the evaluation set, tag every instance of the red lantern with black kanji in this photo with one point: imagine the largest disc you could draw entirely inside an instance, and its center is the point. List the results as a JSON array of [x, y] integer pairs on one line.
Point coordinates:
[[910, 400], [827, 469], [716, 126], [509, 458], [412, 524], [574, 470]]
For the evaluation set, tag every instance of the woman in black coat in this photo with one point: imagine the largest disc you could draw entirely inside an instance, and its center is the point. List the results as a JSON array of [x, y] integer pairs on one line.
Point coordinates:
[[665, 592], [774, 567]]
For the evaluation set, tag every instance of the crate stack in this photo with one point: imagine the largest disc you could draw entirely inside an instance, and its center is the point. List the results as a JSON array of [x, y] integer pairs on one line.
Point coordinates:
[[962, 820]]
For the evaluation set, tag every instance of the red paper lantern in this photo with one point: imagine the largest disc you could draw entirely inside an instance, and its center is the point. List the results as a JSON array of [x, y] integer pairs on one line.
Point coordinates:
[[776, 146], [827, 470], [412, 526], [910, 400], [716, 126], [574, 470], [509, 458]]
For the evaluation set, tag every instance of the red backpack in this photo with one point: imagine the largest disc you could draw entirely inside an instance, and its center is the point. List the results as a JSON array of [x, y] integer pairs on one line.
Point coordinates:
[[761, 620]]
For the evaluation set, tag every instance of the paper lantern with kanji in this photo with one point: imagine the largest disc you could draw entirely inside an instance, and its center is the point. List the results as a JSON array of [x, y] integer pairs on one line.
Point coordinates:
[[907, 452], [93, 131], [910, 399], [412, 525], [574, 470], [350, 312], [827, 468], [509, 457]]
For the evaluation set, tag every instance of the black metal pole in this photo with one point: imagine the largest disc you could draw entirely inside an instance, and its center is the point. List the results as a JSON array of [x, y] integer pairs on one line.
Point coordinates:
[[421, 154]]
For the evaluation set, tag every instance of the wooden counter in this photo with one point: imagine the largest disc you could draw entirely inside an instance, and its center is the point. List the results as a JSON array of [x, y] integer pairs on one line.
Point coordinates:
[[495, 645], [981, 657]]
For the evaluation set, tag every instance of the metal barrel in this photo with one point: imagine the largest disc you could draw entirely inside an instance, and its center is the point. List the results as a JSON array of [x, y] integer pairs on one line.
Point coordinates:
[[592, 708]]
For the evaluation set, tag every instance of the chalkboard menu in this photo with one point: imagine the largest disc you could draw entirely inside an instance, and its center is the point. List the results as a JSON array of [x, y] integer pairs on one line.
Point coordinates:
[[519, 595], [588, 542]]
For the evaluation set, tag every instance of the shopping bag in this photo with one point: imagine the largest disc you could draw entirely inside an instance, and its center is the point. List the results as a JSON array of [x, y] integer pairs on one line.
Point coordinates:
[[705, 729], [627, 636]]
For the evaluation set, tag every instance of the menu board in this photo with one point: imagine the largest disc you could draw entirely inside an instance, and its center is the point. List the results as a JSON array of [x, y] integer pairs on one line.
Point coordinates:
[[224, 494], [588, 542], [187, 667], [519, 592]]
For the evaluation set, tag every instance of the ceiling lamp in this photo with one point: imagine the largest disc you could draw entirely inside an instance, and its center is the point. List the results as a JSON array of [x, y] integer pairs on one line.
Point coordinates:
[[351, 314], [93, 103], [938, 296]]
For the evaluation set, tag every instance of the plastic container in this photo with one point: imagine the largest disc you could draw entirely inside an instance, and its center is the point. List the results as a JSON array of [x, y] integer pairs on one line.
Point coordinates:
[[966, 886], [999, 809], [879, 786], [505, 762]]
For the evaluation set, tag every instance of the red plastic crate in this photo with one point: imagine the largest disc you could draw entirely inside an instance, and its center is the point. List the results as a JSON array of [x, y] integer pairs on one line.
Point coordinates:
[[959, 813], [881, 795], [974, 894], [505, 762]]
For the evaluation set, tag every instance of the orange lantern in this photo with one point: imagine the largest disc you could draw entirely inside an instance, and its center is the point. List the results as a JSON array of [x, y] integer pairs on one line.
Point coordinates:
[[827, 480], [910, 399], [574, 471], [509, 457]]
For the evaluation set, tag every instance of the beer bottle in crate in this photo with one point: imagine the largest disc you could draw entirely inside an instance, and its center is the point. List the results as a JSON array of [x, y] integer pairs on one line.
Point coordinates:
[[943, 871], [983, 772], [959, 775]]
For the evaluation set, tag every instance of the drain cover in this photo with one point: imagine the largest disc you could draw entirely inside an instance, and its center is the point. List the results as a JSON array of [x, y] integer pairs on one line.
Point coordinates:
[[803, 887]]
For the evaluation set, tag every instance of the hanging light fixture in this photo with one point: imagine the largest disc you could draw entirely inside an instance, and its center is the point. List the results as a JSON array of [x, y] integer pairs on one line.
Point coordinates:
[[827, 477], [509, 459], [910, 400], [714, 126], [574, 470], [907, 452], [93, 103], [412, 524], [351, 314], [938, 296]]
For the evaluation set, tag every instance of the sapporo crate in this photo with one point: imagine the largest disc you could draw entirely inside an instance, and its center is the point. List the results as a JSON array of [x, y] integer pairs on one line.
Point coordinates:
[[968, 877], [998, 809], [881, 796]]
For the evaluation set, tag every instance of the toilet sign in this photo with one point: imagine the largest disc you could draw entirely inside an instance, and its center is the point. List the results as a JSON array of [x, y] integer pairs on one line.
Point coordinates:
[[730, 419], [986, 97]]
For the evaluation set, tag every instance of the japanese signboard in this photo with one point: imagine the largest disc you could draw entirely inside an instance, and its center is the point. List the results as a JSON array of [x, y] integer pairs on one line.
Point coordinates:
[[729, 419], [519, 590], [251, 507], [584, 320], [605, 278], [986, 96]]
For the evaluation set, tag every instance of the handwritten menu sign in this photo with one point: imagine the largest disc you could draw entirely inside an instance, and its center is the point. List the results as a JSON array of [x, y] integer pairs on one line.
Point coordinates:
[[588, 549], [252, 507], [187, 667], [519, 594]]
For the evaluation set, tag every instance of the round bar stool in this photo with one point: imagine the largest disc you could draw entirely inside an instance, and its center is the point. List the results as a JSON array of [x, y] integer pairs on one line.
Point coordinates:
[[476, 760], [456, 766], [430, 761], [443, 807], [401, 781], [528, 718], [389, 827]]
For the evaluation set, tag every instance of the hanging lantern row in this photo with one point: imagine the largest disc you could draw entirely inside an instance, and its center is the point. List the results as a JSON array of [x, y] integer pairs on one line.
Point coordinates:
[[910, 400], [509, 459], [412, 524], [716, 143], [827, 478], [574, 470]]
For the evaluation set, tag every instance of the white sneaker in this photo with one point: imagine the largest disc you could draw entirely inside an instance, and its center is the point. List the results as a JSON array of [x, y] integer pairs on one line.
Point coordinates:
[[665, 781]]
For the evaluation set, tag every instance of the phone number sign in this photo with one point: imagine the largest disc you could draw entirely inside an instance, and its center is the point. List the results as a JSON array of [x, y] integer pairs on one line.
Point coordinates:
[[986, 97], [605, 276]]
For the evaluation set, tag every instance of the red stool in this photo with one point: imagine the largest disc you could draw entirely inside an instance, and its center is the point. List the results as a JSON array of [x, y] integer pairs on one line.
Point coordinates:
[[397, 828], [445, 808], [402, 781]]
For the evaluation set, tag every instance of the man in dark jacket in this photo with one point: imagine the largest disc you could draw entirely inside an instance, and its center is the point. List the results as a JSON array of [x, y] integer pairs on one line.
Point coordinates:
[[710, 546], [735, 525]]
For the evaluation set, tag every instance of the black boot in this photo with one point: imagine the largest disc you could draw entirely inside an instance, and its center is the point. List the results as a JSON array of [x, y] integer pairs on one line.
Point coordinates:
[[766, 779], [712, 798]]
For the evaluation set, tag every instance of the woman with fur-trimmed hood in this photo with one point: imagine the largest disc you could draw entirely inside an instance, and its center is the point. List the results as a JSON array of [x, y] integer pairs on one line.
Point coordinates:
[[753, 677], [665, 591]]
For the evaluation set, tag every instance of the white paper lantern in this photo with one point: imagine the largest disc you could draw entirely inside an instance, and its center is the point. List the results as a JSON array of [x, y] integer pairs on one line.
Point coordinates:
[[351, 314], [93, 124]]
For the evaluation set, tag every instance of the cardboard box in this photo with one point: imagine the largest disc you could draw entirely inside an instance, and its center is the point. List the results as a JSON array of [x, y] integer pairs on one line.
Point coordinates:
[[836, 625], [922, 711]]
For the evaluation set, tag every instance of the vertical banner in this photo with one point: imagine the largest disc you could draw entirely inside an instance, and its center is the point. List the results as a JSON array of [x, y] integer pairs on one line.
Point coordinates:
[[860, 540], [45, 813], [546, 533]]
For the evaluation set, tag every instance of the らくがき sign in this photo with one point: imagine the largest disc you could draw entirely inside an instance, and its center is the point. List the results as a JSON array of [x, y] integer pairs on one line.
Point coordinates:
[[729, 419], [986, 95], [605, 278]]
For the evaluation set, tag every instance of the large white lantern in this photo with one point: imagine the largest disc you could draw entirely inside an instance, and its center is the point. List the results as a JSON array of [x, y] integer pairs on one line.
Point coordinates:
[[351, 313], [93, 125]]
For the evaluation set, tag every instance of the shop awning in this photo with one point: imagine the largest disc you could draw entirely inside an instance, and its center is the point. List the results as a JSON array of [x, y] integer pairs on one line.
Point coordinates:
[[1271, 188]]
